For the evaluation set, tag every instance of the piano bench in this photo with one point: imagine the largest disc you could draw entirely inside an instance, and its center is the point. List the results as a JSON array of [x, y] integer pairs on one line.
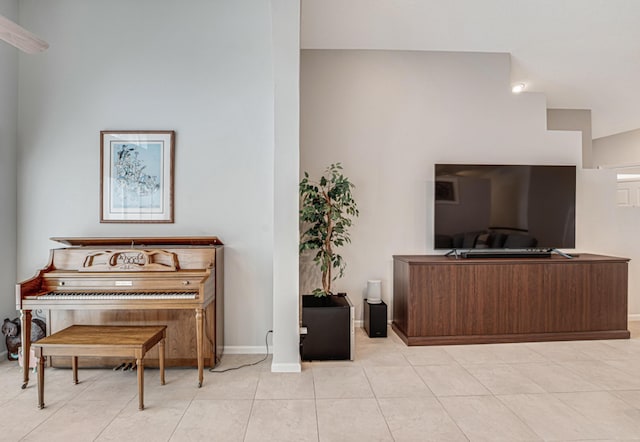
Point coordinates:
[[103, 341]]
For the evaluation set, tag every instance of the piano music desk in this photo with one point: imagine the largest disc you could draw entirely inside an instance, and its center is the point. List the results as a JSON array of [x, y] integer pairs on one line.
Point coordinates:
[[97, 340]]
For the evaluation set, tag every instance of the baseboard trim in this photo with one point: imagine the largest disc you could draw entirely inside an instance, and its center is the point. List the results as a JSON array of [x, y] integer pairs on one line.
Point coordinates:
[[245, 349], [503, 338], [286, 368], [634, 317]]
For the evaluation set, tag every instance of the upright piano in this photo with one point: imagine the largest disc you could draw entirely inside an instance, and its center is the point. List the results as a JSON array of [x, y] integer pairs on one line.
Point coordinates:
[[174, 281]]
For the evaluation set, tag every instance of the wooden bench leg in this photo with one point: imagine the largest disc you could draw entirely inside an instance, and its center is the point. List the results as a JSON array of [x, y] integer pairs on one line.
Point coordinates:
[[161, 357], [140, 364], [74, 366]]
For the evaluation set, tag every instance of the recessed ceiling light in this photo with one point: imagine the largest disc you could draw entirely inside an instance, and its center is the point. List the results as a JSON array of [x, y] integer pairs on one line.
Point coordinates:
[[517, 88]]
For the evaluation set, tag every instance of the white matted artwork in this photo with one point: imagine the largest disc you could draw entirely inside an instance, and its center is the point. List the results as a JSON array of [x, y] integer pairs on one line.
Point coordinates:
[[136, 176]]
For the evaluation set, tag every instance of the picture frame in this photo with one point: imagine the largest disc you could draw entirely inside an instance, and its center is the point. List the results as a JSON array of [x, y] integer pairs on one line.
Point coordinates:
[[136, 176]]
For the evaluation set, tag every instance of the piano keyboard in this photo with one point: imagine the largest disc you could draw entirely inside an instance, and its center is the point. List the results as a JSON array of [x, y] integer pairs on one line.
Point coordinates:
[[118, 295]]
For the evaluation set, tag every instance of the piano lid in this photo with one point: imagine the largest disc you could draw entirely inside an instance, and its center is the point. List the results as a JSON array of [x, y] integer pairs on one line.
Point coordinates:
[[140, 241]]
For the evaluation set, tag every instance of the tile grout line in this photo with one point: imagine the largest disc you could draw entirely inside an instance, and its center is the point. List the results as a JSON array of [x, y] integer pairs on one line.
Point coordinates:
[[253, 401], [378, 401], [315, 403]]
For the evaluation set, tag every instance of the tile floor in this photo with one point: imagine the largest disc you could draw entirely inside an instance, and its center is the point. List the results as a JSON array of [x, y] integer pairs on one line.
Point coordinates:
[[561, 391]]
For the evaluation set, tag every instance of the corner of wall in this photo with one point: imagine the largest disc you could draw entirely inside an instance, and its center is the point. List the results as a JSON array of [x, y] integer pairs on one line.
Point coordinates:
[[8, 165], [574, 120]]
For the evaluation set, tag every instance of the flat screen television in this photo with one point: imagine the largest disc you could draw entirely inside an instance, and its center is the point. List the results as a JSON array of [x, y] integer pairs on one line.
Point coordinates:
[[504, 206]]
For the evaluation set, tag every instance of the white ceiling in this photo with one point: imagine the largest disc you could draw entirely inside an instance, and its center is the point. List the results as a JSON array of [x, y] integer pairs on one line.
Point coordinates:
[[582, 54]]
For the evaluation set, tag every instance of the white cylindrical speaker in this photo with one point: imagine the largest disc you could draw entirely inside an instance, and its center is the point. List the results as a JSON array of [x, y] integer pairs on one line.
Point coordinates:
[[374, 291]]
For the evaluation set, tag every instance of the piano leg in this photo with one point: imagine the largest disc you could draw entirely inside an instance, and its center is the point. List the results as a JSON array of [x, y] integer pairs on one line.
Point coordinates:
[[40, 357], [199, 342], [25, 317]]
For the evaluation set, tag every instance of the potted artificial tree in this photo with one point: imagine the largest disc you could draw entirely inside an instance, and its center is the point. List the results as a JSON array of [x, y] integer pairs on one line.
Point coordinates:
[[327, 208]]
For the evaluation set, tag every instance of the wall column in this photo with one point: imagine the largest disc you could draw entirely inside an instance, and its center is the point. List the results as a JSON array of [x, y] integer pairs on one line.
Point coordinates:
[[286, 61]]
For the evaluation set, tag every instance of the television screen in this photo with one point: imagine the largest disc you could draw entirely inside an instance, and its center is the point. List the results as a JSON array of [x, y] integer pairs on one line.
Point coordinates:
[[504, 206]]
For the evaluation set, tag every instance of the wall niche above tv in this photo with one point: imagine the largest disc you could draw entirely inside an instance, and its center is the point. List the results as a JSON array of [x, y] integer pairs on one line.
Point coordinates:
[[504, 206]]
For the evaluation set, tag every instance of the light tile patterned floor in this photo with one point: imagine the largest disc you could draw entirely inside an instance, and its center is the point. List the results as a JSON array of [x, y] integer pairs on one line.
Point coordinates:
[[568, 391]]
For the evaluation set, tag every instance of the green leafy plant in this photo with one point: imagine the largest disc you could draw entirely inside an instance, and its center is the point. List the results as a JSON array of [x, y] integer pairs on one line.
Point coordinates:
[[327, 208]]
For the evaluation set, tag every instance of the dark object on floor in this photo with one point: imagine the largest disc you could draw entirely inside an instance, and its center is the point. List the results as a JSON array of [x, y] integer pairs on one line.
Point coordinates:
[[375, 319], [11, 330]]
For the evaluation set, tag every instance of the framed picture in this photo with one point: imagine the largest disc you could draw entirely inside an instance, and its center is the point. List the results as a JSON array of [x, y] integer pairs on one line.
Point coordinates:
[[446, 191], [136, 176]]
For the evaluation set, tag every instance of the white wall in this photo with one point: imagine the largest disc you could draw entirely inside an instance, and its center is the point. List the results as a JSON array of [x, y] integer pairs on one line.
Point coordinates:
[[203, 69], [388, 116], [619, 150], [8, 153]]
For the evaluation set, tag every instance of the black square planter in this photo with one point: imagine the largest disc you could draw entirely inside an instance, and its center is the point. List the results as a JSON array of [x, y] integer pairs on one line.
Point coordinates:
[[329, 328]]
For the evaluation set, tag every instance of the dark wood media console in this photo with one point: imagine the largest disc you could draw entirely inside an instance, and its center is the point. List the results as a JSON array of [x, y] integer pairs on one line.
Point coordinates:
[[443, 300]]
